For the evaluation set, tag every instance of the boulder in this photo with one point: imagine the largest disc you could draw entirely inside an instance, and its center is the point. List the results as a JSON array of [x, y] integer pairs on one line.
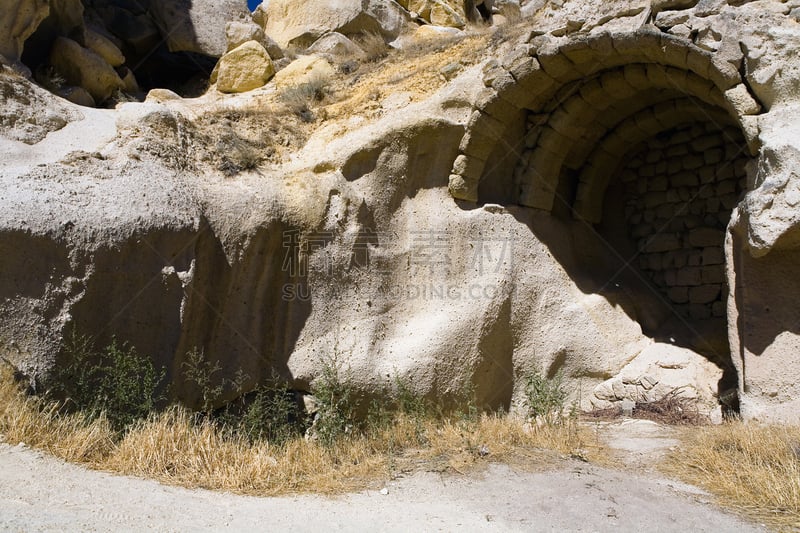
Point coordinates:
[[238, 32], [130, 83], [84, 68], [77, 95], [336, 44], [443, 15], [245, 68], [67, 15], [102, 46], [300, 24], [197, 25], [18, 21], [136, 30]]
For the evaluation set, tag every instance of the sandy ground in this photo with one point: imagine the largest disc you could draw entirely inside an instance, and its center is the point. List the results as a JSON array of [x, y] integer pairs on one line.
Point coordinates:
[[40, 493]]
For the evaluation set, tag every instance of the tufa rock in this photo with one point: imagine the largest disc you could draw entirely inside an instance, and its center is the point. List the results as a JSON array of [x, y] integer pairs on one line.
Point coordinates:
[[336, 44], [84, 68], [18, 21], [197, 25], [103, 47], [300, 24], [245, 68]]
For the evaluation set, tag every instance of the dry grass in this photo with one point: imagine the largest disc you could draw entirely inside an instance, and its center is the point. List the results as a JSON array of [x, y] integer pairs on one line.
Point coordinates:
[[174, 448], [72, 437], [751, 468], [415, 70]]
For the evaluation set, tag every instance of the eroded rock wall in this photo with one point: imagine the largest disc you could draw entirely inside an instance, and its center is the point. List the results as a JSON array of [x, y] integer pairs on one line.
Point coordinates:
[[593, 133]]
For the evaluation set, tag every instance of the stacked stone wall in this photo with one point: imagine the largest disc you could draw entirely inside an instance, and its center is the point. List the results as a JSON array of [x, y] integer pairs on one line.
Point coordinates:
[[681, 188]]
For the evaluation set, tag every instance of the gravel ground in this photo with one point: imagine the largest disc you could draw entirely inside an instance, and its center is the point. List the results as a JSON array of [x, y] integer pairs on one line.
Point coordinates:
[[41, 493]]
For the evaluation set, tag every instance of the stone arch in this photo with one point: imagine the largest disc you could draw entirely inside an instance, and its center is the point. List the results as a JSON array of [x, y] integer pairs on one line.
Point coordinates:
[[564, 120], [564, 82]]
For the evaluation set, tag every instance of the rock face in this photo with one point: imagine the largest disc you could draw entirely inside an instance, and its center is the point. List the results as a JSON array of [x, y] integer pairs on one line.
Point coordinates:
[[29, 113], [172, 41], [670, 173], [611, 196], [244, 68], [18, 21], [194, 25], [300, 24]]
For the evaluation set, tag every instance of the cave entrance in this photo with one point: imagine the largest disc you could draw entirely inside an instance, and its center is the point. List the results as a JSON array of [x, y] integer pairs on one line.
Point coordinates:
[[641, 136], [679, 189]]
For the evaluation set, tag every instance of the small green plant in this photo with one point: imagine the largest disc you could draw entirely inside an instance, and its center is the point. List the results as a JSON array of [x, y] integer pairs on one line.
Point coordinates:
[[270, 413], [546, 398], [117, 381], [402, 402], [200, 373], [337, 405], [409, 402]]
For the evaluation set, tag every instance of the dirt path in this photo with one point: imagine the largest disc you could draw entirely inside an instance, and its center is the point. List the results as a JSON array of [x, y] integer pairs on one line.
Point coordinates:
[[40, 493]]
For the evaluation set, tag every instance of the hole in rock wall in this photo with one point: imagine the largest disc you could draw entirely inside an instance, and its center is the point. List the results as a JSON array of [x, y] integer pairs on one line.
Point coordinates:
[[663, 203], [647, 160]]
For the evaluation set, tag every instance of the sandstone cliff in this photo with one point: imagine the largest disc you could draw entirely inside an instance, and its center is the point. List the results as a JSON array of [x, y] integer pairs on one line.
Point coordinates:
[[601, 189]]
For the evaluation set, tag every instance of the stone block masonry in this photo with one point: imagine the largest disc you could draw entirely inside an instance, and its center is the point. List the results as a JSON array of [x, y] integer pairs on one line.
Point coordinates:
[[680, 190]]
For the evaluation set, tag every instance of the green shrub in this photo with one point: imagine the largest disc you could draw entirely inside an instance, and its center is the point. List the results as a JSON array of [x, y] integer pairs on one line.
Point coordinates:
[[117, 381], [546, 398], [270, 413], [199, 373], [337, 406]]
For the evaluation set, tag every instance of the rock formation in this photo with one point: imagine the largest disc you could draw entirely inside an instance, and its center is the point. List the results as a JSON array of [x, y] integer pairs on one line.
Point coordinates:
[[609, 193]]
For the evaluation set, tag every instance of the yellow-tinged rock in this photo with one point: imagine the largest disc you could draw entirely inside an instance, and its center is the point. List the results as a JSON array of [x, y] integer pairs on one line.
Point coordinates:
[[443, 15], [244, 68], [103, 47], [84, 68]]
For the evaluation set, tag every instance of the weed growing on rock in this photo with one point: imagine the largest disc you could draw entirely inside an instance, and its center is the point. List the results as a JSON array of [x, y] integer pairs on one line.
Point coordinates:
[[116, 381], [271, 414], [373, 45], [337, 405], [238, 155], [200, 373], [546, 398]]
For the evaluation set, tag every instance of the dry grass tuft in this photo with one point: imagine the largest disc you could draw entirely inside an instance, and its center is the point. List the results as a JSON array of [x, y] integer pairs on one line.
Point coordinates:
[[73, 437], [373, 45], [177, 447], [751, 468]]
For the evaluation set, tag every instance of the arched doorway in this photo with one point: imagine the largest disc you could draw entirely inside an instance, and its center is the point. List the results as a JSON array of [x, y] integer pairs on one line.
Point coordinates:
[[641, 135]]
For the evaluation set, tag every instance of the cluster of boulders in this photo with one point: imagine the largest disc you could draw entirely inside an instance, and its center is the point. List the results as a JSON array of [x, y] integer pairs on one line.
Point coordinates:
[[321, 28], [96, 52], [92, 50]]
